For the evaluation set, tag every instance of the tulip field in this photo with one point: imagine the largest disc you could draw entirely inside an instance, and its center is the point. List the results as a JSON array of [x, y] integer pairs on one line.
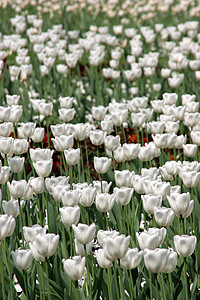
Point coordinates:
[[99, 149]]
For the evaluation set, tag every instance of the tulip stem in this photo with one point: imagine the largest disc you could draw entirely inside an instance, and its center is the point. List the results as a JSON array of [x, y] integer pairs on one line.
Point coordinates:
[[116, 282], [186, 280], [25, 284], [157, 293], [71, 242], [88, 272], [48, 286], [163, 286], [151, 290], [109, 276], [130, 279], [1, 270], [121, 282]]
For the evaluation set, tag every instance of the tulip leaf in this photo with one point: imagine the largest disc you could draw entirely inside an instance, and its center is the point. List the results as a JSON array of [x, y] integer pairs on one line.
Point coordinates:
[[51, 218]]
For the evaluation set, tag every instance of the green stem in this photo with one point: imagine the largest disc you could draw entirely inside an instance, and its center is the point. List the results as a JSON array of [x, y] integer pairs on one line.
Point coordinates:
[[121, 282], [163, 287], [25, 284], [185, 278], [151, 289], [88, 272], [2, 272], [109, 276], [116, 282], [48, 286]]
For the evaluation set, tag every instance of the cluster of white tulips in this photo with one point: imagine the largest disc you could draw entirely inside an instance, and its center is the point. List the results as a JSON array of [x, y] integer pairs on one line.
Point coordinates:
[[99, 146]]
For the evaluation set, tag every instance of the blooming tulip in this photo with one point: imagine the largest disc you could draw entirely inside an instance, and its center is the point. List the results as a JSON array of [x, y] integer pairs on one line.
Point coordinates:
[[84, 233], [185, 244], [75, 267], [70, 215], [22, 258]]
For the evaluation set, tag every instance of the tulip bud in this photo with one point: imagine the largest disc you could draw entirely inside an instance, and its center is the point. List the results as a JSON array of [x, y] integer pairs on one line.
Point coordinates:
[[75, 267], [20, 146], [22, 258], [27, 129], [190, 150], [185, 244], [66, 115], [6, 144]]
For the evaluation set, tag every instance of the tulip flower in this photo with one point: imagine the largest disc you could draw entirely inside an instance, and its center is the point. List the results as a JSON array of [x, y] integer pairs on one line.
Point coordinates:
[[185, 244], [16, 163], [150, 202], [112, 142], [70, 215], [38, 135], [99, 112], [75, 267], [116, 247], [102, 164], [35, 253], [63, 142], [160, 260], [163, 216], [103, 234], [105, 201], [123, 195], [123, 178], [152, 238], [18, 189], [131, 259], [71, 197], [84, 233], [43, 167], [87, 196], [105, 185], [31, 232], [22, 258], [4, 174], [72, 156], [46, 244], [40, 154], [11, 208], [102, 259], [7, 226], [97, 137], [80, 249], [181, 204], [131, 151]]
